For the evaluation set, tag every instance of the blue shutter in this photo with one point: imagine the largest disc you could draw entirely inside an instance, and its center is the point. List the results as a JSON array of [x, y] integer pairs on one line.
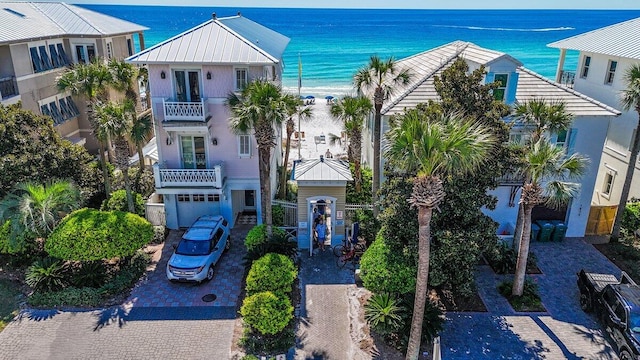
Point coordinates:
[[44, 58], [35, 60], [573, 135], [512, 87], [63, 56], [55, 59]]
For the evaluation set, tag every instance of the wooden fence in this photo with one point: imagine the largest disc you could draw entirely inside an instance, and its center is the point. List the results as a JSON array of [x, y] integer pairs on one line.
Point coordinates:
[[601, 220]]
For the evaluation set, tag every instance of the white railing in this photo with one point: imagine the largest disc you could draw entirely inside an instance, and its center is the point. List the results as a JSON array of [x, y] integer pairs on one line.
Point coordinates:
[[155, 214], [184, 111], [290, 212], [188, 177]]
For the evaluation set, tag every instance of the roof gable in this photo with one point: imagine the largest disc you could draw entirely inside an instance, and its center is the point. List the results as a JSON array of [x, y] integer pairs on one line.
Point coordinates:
[[621, 39], [321, 170], [218, 41]]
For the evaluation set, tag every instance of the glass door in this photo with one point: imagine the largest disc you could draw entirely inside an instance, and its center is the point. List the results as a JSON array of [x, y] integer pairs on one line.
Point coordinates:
[[187, 85], [193, 152]]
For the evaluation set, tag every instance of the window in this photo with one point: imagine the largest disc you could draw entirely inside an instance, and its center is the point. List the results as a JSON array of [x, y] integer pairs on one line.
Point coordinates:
[[561, 138], [187, 85], [85, 53], [213, 197], [609, 177], [249, 198], [130, 47], [193, 152], [198, 197], [499, 92], [62, 54], [72, 106], [244, 145], [611, 72], [60, 109], [44, 58], [242, 78], [585, 67], [55, 113], [36, 62], [183, 198]]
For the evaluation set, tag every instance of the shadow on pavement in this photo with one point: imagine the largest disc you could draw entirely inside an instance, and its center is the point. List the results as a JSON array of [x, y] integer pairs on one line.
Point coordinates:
[[120, 315]]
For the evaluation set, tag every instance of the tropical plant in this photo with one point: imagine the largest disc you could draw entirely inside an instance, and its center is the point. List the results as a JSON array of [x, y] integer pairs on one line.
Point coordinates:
[[432, 324], [260, 107], [38, 208], [118, 201], [295, 109], [383, 313], [48, 274], [122, 77], [550, 175], [115, 121], [432, 146], [89, 273], [630, 99], [631, 218], [90, 81], [381, 76], [258, 235], [352, 111]]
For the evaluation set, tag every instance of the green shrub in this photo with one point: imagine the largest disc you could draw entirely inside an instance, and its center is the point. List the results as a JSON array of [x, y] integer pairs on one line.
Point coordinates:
[[159, 234], [89, 274], [277, 215], [266, 313], [383, 270], [432, 324], [369, 225], [47, 274], [383, 313], [23, 244], [280, 243], [529, 301], [88, 235], [272, 272], [631, 217], [250, 357], [503, 259], [118, 201], [258, 235], [70, 296], [256, 343]]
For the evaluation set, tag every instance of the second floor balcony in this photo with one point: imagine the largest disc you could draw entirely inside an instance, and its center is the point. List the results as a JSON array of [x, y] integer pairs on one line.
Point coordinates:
[[567, 78], [167, 178], [185, 110], [8, 87]]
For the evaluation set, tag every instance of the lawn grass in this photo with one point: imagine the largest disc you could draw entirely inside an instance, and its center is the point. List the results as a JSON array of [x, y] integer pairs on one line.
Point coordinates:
[[9, 297], [625, 254]]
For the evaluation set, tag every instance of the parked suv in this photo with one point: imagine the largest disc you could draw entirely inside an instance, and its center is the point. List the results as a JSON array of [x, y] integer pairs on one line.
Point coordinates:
[[199, 249]]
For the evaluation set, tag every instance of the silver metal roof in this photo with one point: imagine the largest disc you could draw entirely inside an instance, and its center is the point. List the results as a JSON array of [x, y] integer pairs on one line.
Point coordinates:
[[427, 64], [232, 40], [24, 21], [321, 170], [621, 39]]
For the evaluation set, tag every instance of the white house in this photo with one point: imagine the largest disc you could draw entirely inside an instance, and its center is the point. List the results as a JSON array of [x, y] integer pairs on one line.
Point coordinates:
[[203, 167], [604, 56], [586, 135]]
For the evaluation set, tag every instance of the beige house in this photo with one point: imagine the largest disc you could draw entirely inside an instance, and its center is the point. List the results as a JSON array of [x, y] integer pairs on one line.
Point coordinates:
[[39, 41]]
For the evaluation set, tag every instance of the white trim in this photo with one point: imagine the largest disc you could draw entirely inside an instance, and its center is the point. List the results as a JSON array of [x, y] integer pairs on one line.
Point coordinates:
[[241, 154], [616, 151]]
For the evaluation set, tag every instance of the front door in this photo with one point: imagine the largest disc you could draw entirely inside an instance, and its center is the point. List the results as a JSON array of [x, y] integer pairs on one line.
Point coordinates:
[[193, 152], [187, 85]]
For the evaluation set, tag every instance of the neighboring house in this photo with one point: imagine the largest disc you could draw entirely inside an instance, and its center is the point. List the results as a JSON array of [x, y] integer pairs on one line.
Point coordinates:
[[203, 167], [605, 55], [39, 41], [586, 135]]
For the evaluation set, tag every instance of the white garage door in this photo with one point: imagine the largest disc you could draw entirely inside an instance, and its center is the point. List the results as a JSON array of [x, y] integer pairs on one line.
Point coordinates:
[[192, 206]]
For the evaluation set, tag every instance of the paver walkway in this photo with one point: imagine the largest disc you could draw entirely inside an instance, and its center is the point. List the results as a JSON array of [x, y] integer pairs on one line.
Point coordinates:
[[563, 332]]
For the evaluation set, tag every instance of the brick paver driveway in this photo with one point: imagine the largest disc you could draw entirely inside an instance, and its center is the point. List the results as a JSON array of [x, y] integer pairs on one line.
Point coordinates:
[[160, 321], [563, 332]]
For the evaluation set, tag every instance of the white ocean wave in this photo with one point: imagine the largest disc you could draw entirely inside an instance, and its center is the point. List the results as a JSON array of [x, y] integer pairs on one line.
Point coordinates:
[[321, 91], [562, 28]]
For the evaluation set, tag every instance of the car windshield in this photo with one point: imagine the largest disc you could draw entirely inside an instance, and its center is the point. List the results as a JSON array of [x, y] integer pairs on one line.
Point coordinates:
[[192, 248], [634, 322]]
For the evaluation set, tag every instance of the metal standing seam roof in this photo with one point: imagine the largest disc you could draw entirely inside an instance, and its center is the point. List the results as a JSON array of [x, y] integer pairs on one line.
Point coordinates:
[[24, 21], [530, 84], [232, 40], [621, 39], [321, 170]]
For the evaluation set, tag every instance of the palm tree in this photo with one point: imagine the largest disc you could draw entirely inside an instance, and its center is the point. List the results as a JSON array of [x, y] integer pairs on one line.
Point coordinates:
[[551, 176], [630, 100], [295, 108], [140, 129], [90, 81], [38, 208], [381, 76], [261, 106], [143, 76], [541, 117], [116, 120], [352, 111], [430, 147]]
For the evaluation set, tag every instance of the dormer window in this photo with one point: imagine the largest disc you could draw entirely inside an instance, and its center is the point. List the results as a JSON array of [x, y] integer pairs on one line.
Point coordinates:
[[500, 91]]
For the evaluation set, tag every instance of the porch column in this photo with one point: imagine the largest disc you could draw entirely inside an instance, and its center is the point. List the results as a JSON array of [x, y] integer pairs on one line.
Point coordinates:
[[563, 54]]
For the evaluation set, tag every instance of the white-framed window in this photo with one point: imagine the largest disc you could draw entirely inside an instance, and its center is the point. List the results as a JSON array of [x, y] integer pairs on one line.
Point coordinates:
[[244, 146], [213, 197], [561, 138], [184, 198], [60, 107], [187, 85], [198, 197], [500, 92], [611, 72], [84, 53], [585, 67], [242, 78], [193, 152], [607, 185]]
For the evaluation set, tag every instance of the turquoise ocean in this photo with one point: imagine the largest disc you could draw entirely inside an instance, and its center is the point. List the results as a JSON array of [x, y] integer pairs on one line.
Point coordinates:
[[333, 43]]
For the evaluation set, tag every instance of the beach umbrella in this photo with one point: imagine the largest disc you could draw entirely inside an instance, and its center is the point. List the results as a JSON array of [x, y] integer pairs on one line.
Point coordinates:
[[328, 97], [311, 97]]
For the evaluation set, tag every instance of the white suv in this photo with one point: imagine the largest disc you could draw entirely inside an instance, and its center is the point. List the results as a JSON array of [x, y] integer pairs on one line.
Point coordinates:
[[199, 249]]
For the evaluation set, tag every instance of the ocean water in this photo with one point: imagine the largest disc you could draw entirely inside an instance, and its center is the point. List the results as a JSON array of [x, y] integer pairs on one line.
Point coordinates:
[[333, 43]]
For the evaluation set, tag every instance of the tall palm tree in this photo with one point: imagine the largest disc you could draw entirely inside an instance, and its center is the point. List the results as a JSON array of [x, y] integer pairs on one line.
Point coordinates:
[[630, 100], [261, 107], [116, 120], [551, 176], [431, 147], [123, 74], [352, 111], [140, 129], [90, 81], [38, 208], [295, 109], [381, 76], [540, 117]]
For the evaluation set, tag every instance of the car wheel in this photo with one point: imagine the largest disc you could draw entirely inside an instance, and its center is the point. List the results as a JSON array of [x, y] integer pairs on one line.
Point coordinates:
[[624, 355], [585, 302], [210, 273]]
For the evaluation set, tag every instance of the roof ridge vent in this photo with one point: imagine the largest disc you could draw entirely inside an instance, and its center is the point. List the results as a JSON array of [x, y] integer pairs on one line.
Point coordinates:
[[214, 16]]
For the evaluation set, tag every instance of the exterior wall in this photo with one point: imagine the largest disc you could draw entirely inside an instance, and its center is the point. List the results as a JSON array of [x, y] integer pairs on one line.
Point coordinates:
[[6, 65], [337, 226]]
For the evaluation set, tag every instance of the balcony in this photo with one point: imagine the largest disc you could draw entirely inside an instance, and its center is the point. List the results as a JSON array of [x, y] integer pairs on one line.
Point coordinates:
[[185, 111], [172, 178], [8, 87], [567, 78]]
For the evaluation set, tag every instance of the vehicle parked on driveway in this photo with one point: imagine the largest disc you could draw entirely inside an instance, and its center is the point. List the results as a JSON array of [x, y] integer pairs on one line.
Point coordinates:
[[617, 305], [199, 249]]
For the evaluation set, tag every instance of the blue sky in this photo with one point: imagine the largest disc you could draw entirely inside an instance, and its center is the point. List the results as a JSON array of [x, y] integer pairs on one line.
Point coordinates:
[[398, 4]]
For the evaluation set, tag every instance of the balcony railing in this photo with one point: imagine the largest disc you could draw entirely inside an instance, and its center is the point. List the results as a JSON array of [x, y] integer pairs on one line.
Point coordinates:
[[184, 111], [8, 87], [189, 177], [567, 78], [511, 179]]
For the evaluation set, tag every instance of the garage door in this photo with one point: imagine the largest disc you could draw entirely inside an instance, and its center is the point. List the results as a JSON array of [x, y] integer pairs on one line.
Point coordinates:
[[191, 206]]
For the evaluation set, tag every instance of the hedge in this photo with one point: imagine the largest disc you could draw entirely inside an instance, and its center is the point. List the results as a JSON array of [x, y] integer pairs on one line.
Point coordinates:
[[272, 272], [382, 270], [266, 312], [258, 235], [89, 234], [118, 201]]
